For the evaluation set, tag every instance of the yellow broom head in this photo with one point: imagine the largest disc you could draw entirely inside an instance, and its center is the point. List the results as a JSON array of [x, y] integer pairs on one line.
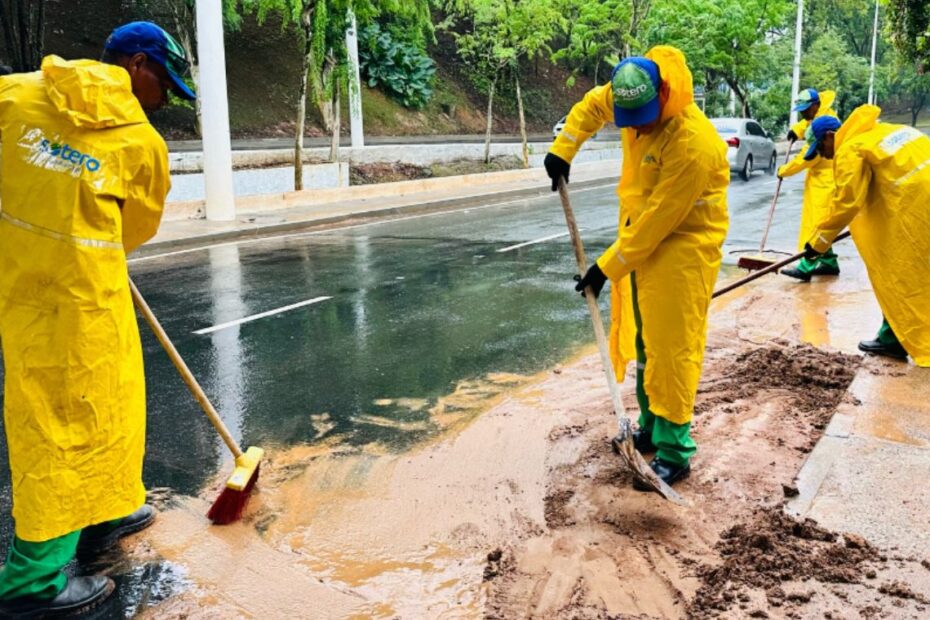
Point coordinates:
[[245, 467]]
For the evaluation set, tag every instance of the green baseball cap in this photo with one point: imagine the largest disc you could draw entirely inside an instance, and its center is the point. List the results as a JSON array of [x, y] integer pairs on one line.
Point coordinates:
[[635, 83]]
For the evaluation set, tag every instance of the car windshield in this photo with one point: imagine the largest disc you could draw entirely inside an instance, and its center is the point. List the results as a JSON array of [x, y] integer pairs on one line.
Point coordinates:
[[725, 127]]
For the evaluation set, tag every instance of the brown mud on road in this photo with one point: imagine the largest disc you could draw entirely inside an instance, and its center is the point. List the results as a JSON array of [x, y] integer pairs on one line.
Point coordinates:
[[524, 511]]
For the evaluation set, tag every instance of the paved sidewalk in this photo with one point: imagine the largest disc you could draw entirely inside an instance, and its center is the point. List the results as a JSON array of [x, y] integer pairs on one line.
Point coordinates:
[[292, 211]]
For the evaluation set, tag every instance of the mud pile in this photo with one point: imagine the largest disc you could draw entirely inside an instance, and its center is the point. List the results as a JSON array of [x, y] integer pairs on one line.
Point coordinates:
[[773, 548]]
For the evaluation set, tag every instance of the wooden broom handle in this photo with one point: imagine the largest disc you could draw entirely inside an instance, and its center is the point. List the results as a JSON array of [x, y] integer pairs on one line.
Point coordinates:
[[768, 225], [185, 372]]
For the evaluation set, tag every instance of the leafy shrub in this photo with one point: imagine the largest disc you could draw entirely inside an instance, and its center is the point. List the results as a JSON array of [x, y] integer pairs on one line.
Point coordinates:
[[401, 69]]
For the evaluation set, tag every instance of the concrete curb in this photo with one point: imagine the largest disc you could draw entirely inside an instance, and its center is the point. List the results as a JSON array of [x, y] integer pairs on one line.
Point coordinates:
[[248, 230]]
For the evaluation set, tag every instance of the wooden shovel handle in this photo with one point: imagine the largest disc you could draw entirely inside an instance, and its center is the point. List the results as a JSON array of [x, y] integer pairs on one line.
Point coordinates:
[[769, 269], [599, 333]]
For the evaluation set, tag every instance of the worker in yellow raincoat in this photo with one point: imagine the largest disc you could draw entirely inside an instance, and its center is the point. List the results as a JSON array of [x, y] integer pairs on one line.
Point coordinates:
[[818, 184], [84, 179], [882, 194], [673, 220]]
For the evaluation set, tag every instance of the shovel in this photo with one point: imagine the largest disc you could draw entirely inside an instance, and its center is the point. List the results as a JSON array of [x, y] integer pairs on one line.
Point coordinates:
[[760, 261], [623, 442]]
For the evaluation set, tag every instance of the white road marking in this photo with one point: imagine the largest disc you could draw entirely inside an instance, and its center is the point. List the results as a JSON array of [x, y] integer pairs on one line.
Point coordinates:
[[533, 242], [341, 228], [261, 315]]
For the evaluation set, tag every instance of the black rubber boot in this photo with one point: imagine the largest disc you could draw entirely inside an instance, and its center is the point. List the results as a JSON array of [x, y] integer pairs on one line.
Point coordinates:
[[888, 350], [797, 274], [98, 538], [81, 594], [825, 270], [669, 473]]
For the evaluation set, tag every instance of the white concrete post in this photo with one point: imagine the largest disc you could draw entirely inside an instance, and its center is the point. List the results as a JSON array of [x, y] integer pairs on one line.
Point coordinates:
[[796, 73], [217, 155], [874, 45], [355, 85]]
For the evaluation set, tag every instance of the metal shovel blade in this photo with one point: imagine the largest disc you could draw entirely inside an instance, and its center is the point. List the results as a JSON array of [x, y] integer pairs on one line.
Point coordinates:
[[623, 446]]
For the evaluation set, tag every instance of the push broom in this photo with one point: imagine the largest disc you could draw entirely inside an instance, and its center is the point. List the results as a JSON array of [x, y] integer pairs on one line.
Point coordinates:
[[769, 269], [760, 261], [229, 506], [623, 442]]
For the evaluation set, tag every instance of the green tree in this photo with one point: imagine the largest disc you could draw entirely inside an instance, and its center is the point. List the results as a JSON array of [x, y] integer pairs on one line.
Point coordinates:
[[910, 88], [324, 69], [909, 27], [726, 40], [828, 65], [600, 32], [23, 30], [493, 37]]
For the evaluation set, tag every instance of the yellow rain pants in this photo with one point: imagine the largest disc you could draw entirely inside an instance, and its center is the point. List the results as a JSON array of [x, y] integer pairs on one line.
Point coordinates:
[[84, 179], [673, 220], [882, 174]]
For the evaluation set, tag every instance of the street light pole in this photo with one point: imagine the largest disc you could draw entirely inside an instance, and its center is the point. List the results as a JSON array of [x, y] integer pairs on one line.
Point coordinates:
[[874, 46], [355, 84], [217, 151], [796, 72]]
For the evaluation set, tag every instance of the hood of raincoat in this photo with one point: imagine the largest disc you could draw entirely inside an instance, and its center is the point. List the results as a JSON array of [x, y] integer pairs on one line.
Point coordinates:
[[91, 94], [674, 69], [827, 98], [863, 118]]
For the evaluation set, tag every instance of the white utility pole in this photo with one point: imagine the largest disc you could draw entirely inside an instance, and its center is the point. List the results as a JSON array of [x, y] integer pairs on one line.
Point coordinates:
[[217, 155], [796, 72], [355, 84], [874, 45]]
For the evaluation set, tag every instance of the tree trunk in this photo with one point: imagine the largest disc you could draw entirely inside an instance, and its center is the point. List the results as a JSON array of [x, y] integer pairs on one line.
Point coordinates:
[[302, 103], [23, 23], [337, 122], [6, 20], [743, 98], [185, 25], [487, 137], [526, 150]]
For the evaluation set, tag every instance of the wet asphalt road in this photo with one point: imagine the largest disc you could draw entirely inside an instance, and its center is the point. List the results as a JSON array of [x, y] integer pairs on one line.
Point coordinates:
[[394, 310]]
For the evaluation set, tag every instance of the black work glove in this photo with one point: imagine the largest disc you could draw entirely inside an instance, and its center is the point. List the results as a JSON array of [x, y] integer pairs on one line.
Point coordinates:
[[556, 168], [792, 137], [809, 252], [595, 278]]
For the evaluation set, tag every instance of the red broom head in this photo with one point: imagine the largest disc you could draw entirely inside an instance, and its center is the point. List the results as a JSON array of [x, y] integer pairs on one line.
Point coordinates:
[[230, 505]]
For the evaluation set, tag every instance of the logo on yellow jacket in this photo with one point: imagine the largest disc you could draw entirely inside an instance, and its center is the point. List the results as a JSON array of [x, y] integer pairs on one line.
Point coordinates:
[[56, 155]]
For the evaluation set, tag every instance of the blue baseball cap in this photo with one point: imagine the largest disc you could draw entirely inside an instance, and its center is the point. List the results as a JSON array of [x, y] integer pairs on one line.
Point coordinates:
[[635, 82], [818, 129], [807, 98], [159, 46]]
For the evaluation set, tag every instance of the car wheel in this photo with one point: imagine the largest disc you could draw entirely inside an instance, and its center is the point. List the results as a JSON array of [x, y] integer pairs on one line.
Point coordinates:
[[773, 164], [747, 168]]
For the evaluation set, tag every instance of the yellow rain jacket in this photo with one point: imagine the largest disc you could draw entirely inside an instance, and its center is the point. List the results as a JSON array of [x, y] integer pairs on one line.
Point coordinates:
[[818, 184], [883, 194], [673, 220], [84, 179]]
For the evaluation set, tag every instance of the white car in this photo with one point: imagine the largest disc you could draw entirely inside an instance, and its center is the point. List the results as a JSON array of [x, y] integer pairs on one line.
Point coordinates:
[[748, 146], [557, 129]]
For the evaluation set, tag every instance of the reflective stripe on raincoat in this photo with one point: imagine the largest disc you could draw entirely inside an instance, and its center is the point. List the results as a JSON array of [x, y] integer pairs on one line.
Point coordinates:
[[882, 174], [84, 179], [673, 220], [818, 184]]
